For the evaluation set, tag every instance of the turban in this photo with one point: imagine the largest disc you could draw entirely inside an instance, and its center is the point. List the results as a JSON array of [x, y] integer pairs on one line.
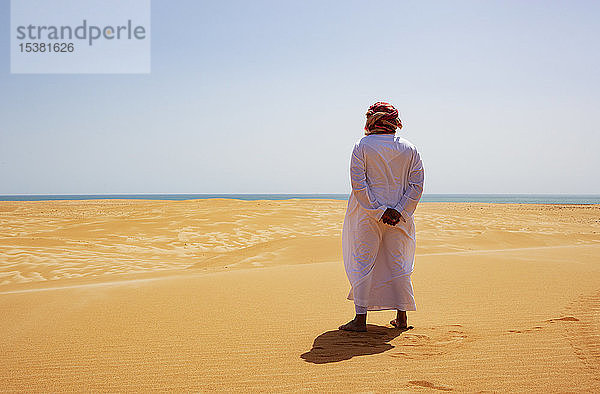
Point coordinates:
[[382, 118]]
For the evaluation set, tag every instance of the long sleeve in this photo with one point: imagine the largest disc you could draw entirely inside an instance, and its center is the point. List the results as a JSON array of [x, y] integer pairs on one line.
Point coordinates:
[[412, 195], [360, 187]]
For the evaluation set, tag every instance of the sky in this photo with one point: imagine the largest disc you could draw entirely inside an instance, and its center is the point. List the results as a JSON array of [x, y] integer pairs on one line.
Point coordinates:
[[270, 97]]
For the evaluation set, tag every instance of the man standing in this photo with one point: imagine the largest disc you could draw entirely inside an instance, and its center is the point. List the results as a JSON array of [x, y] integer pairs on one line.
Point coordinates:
[[378, 237]]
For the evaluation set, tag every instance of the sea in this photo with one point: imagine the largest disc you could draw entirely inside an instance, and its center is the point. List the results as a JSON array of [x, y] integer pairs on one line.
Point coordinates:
[[483, 198]]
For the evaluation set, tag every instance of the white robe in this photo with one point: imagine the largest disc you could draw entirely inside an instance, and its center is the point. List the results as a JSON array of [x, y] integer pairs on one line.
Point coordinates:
[[385, 171]]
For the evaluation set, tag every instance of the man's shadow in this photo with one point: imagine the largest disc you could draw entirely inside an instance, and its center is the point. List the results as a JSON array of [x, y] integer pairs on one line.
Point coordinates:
[[337, 345]]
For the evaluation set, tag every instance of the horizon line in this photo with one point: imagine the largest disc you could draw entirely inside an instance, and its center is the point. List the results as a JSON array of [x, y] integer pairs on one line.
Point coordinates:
[[293, 194]]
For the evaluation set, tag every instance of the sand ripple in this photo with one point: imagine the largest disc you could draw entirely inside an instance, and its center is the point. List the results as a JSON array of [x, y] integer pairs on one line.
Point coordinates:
[[49, 241]]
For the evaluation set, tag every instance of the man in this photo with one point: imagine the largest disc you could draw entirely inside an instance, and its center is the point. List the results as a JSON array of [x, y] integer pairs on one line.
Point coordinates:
[[378, 237]]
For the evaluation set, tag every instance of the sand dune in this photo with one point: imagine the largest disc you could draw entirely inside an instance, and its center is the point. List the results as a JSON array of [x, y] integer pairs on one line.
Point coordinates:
[[236, 295]]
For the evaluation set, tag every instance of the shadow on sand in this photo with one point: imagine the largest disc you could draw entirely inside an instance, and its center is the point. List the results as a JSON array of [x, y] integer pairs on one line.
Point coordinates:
[[337, 345]]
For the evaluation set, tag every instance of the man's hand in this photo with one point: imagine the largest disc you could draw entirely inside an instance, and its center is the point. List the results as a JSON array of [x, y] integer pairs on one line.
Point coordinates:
[[391, 217]]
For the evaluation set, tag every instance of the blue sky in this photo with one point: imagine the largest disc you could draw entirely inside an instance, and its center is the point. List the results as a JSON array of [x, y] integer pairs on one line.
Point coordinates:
[[270, 96]]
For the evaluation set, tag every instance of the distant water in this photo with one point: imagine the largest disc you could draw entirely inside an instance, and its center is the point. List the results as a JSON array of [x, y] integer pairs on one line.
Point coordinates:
[[486, 198]]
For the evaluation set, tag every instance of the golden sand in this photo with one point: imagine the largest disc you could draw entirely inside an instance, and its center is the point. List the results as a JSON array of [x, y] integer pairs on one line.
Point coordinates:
[[132, 295]]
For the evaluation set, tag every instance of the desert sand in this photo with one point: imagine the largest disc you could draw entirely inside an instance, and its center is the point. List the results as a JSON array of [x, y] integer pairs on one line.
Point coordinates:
[[229, 295]]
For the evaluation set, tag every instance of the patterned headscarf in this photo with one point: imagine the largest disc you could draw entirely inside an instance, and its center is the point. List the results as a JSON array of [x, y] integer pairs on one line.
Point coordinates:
[[382, 118]]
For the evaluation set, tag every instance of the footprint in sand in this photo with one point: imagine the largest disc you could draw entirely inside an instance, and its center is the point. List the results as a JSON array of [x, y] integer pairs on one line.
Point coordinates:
[[583, 332], [429, 385], [535, 328], [566, 318], [428, 342]]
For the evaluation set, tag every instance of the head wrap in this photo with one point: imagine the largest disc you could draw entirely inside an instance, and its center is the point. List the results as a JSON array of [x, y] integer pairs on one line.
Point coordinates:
[[382, 118]]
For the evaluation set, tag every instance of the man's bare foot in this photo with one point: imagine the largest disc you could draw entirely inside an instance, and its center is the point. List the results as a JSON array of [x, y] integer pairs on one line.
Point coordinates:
[[402, 327], [400, 321], [358, 324]]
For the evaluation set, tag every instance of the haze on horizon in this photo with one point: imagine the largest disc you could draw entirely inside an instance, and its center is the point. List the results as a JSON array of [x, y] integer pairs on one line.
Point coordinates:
[[269, 97]]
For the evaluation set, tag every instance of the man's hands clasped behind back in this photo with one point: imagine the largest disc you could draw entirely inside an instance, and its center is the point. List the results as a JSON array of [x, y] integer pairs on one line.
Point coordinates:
[[391, 217]]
